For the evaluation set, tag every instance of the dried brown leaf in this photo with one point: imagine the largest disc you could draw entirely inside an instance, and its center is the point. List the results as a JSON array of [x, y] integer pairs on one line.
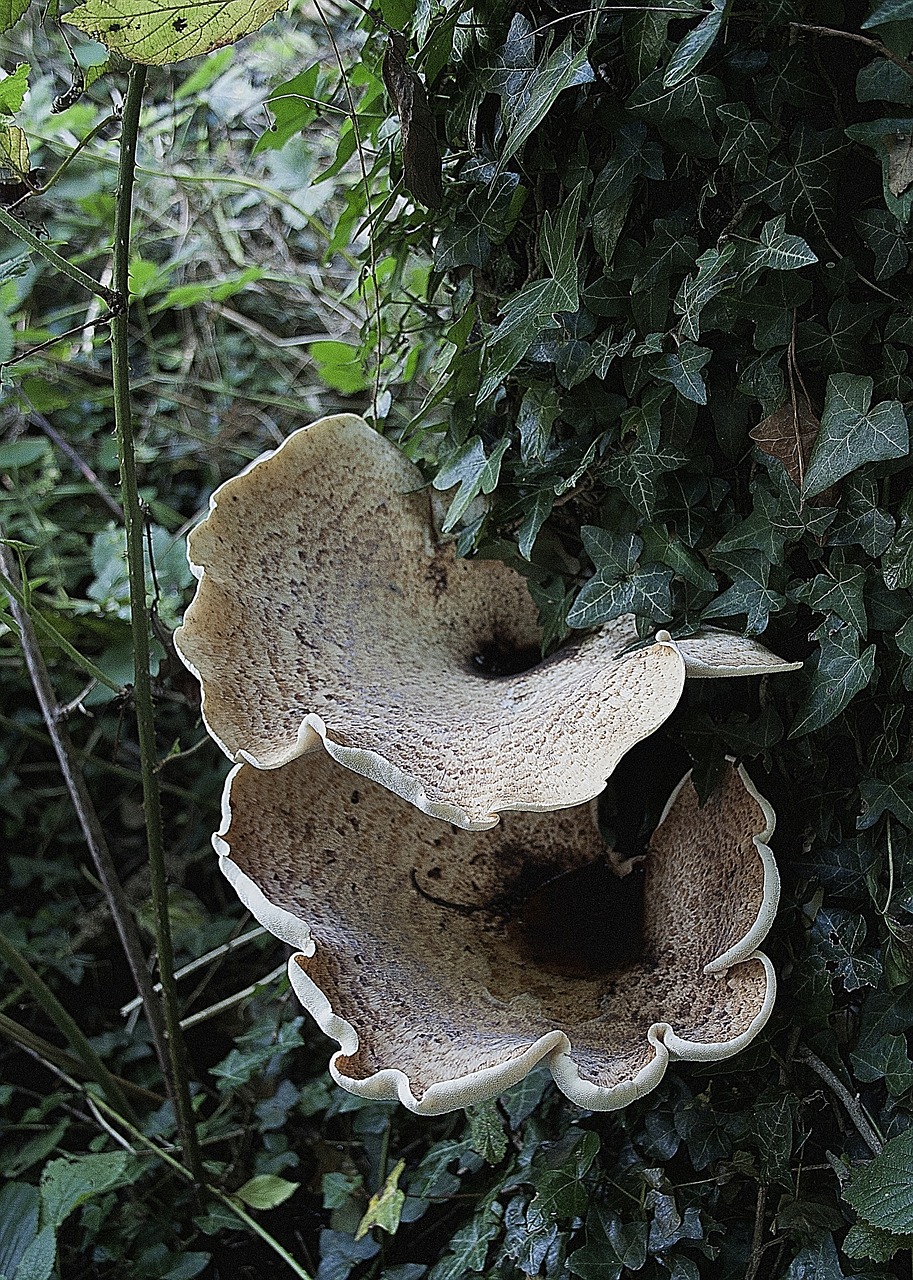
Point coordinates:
[[421, 153], [789, 434]]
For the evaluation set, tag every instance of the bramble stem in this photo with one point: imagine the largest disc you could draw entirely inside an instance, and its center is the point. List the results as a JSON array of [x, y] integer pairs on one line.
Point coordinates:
[[44, 996], [139, 621], [21, 232]]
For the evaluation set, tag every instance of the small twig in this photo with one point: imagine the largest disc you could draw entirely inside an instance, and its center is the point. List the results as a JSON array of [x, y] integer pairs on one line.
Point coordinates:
[[16, 228], [78, 462], [230, 1001], [200, 962], [757, 1248], [885, 52], [29, 1040], [853, 1108]]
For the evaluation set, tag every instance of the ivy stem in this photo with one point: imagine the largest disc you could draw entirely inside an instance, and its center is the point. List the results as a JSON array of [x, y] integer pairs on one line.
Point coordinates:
[[139, 622], [21, 232], [44, 996]]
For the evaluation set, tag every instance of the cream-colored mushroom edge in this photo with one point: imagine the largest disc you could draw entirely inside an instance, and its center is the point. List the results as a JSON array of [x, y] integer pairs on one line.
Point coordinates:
[[328, 614], [437, 958]]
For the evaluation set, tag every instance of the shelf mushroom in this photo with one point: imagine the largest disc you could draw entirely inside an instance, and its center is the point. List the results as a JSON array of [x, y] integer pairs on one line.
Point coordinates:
[[448, 963], [328, 612]]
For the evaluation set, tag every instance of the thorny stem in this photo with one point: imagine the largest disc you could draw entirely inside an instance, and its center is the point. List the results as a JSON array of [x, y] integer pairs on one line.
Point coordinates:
[[139, 621], [44, 996], [21, 232], [89, 822]]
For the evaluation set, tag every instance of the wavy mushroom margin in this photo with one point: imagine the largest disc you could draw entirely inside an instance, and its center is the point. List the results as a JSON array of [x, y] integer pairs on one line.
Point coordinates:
[[554, 1048]]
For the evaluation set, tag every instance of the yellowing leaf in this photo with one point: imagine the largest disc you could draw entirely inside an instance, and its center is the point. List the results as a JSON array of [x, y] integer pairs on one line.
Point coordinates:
[[14, 151], [385, 1206], [159, 31]]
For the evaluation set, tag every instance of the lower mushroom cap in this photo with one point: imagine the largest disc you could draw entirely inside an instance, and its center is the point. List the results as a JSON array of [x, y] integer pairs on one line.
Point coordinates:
[[418, 955]]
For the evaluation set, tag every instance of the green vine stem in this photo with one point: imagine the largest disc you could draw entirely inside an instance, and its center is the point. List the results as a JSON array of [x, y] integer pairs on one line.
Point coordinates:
[[21, 232], [42, 994], [139, 622]]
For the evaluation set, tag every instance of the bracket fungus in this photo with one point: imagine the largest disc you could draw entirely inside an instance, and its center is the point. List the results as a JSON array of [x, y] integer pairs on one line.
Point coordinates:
[[448, 963], [328, 612]]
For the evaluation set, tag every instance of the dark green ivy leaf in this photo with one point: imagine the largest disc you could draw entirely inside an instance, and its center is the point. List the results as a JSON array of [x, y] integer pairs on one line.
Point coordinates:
[[891, 794], [683, 370], [692, 50], [853, 433], [749, 593], [842, 672]]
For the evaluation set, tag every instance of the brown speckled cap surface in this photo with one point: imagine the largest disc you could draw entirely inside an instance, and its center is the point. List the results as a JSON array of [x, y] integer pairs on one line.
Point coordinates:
[[327, 612], [414, 947]]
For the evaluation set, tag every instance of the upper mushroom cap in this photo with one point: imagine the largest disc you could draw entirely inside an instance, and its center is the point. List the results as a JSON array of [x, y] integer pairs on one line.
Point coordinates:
[[327, 611], [416, 952]]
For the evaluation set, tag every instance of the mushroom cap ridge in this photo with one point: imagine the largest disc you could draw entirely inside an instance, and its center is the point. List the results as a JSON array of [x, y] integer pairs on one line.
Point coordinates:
[[327, 614], [436, 1006]]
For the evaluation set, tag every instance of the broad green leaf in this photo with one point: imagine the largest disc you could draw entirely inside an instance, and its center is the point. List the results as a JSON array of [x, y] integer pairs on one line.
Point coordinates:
[[841, 592], [292, 106], [160, 31], [696, 100], [882, 1191], [557, 1174], [890, 11], [617, 553], [817, 1261], [469, 1246], [539, 408], [13, 89], [885, 1058], [842, 672], [18, 1223], [11, 11], [37, 1260], [772, 1122], [696, 44], [486, 1132], [462, 244], [68, 1183], [22, 453], [749, 594], [865, 1241], [266, 1190], [191, 295], [339, 365], [385, 1206], [884, 81], [853, 433]]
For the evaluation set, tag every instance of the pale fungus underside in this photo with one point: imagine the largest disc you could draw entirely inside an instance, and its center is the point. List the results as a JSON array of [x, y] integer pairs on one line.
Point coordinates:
[[437, 957], [327, 612]]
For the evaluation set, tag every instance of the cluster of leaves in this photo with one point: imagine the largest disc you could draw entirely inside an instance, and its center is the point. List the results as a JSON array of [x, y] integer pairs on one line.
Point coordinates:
[[633, 288]]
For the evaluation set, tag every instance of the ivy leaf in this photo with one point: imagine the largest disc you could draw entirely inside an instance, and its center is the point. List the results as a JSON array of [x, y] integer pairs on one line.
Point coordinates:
[[882, 1191], [529, 88], [469, 1246], [840, 935], [853, 433], [890, 11], [486, 1132], [11, 11], [749, 593], [461, 244], [891, 139], [781, 251], [537, 513], [891, 794], [885, 1058], [619, 584], [841, 593], [817, 1261], [539, 408], [696, 44], [713, 275], [772, 1122], [385, 1206], [558, 1171], [474, 471], [683, 369], [842, 672], [159, 31]]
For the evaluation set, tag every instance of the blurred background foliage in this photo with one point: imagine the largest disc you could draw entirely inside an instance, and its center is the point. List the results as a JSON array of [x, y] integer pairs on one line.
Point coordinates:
[[656, 282]]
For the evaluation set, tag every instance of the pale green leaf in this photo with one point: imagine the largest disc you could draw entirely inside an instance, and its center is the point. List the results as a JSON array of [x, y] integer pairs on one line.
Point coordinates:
[[159, 31], [266, 1190], [13, 89], [68, 1183], [385, 1206]]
